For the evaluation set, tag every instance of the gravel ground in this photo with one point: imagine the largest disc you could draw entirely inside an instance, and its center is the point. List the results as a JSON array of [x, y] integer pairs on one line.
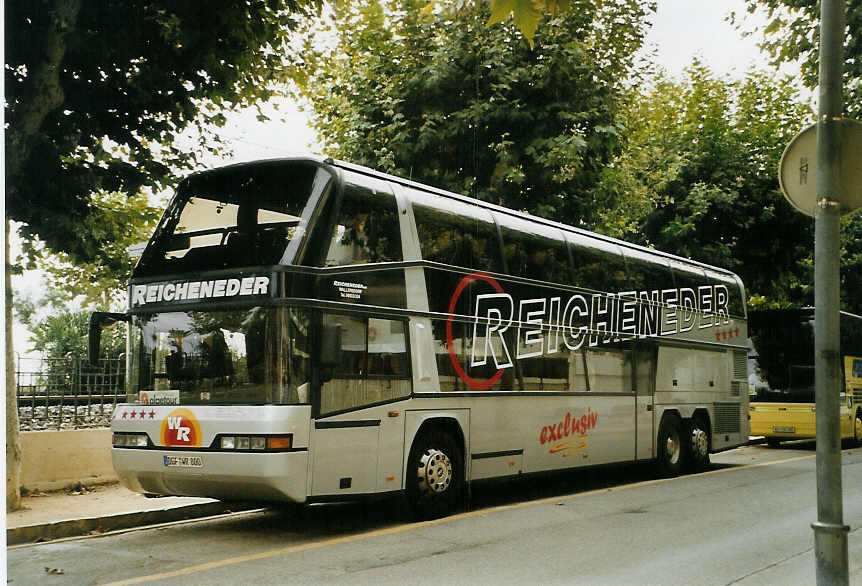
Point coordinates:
[[53, 417]]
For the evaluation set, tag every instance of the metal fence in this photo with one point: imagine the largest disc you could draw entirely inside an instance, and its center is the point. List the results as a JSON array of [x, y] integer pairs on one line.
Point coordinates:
[[67, 393]]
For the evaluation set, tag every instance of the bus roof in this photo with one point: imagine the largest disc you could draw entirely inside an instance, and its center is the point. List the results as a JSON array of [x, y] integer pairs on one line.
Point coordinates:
[[337, 164]]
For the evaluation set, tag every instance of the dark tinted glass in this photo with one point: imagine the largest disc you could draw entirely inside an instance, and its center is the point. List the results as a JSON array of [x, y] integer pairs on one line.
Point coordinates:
[[258, 356], [736, 304], [687, 276], [598, 265], [783, 354], [364, 361], [533, 250], [454, 233], [236, 216], [367, 228], [647, 272]]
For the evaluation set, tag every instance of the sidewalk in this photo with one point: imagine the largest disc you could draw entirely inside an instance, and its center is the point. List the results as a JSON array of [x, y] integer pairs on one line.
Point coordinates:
[[98, 509]]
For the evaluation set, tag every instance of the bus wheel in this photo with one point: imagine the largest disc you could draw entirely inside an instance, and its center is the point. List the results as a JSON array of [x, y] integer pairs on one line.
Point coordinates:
[[671, 451], [773, 442], [435, 475], [698, 448]]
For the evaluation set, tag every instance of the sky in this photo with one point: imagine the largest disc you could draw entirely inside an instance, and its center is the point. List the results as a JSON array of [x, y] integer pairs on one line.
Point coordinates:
[[682, 30]]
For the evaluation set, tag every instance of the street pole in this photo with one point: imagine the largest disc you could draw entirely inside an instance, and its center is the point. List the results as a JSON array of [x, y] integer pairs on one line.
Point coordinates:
[[830, 532]]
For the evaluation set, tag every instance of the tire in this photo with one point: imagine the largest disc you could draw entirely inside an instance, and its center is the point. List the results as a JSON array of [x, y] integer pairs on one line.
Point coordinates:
[[773, 442], [435, 475], [672, 451], [698, 444]]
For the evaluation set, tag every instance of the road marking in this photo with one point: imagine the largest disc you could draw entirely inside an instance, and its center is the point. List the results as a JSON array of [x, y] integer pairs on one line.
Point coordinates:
[[411, 526]]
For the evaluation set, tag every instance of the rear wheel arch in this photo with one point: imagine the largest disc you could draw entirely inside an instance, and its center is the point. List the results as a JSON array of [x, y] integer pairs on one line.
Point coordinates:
[[671, 452], [698, 440], [436, 468]]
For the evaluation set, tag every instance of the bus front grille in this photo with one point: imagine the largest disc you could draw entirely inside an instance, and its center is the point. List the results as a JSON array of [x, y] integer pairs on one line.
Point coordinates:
[[726, 417]]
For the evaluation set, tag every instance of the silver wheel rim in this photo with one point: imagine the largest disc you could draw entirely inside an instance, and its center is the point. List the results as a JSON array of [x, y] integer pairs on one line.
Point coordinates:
[[699, 443], [857, 429], [435, 472]]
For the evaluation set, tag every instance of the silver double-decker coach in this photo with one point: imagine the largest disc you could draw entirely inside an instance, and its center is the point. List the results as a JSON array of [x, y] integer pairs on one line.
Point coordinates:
[[309, 330]]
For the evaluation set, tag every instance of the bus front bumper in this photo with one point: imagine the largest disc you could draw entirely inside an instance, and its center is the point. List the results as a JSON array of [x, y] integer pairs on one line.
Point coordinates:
[[271, 477]]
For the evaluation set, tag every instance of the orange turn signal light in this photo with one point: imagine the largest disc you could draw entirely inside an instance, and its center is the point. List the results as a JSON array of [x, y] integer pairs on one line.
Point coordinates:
[[282, 442]]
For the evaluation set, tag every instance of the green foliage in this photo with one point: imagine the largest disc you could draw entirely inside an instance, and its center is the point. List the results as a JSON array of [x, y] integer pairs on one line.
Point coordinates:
[[98, 92], [124, 221], [793, 34], [851, 263], [454, 103], [527, 14], [701, 168], [65, 333]]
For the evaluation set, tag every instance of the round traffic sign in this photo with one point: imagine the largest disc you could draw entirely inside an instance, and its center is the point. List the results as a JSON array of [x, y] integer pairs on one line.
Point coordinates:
[[797, 172]]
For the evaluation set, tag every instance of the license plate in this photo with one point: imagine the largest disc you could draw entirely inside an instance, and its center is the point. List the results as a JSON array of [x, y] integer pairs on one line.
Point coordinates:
[[183, 461], [783, 429]]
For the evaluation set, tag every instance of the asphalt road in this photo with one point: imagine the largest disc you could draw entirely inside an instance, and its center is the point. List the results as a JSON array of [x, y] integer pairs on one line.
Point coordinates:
[[745, 521]]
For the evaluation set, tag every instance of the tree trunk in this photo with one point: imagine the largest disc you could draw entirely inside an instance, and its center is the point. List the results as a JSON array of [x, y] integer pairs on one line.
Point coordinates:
[[13, 439], [44, 93]]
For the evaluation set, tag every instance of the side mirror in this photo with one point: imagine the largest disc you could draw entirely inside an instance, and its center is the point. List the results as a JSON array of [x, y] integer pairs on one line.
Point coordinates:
[[98, 321]]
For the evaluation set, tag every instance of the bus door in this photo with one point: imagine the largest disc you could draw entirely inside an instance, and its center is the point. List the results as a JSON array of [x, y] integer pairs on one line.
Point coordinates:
[[644, 365], [358, 436]]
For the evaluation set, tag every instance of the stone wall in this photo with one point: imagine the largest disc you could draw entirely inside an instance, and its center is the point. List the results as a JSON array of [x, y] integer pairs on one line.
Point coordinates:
[[52, 460]]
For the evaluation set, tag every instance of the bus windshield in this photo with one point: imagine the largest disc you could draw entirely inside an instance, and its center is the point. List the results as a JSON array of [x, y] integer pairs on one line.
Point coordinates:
[[255, 356], [237, 216]]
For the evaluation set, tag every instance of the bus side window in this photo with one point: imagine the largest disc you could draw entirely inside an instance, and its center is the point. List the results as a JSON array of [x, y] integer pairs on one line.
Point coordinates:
[[598, 265], [534, 251], [367, 229], [646, 272], [373, 365], [453, 233], [735, 304], [469, 364]]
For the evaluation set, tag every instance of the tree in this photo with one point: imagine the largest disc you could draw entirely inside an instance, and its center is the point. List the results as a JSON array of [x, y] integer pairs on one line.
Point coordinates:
[[60, 332], [132, 220], [701, 162], [793, 34], [456, 104], [98, 91], [97, 94]]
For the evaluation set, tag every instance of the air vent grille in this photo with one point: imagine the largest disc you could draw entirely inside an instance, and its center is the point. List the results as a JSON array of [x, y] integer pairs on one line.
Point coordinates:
[[726, 417], [740, 364]]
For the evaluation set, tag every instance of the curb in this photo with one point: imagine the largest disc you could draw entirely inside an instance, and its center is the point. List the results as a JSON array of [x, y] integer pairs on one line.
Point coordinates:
[[96, 525]]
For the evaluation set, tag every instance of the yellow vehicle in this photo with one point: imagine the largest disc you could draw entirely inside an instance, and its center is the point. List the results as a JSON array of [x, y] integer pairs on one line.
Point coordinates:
[[781, 376]]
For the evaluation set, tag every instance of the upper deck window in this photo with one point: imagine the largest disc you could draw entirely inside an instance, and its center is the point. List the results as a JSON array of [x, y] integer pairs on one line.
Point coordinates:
[[647, 272], [534, 250], [236, 216], [455, 233], [599, 265], [366, 228], [736, 304]]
